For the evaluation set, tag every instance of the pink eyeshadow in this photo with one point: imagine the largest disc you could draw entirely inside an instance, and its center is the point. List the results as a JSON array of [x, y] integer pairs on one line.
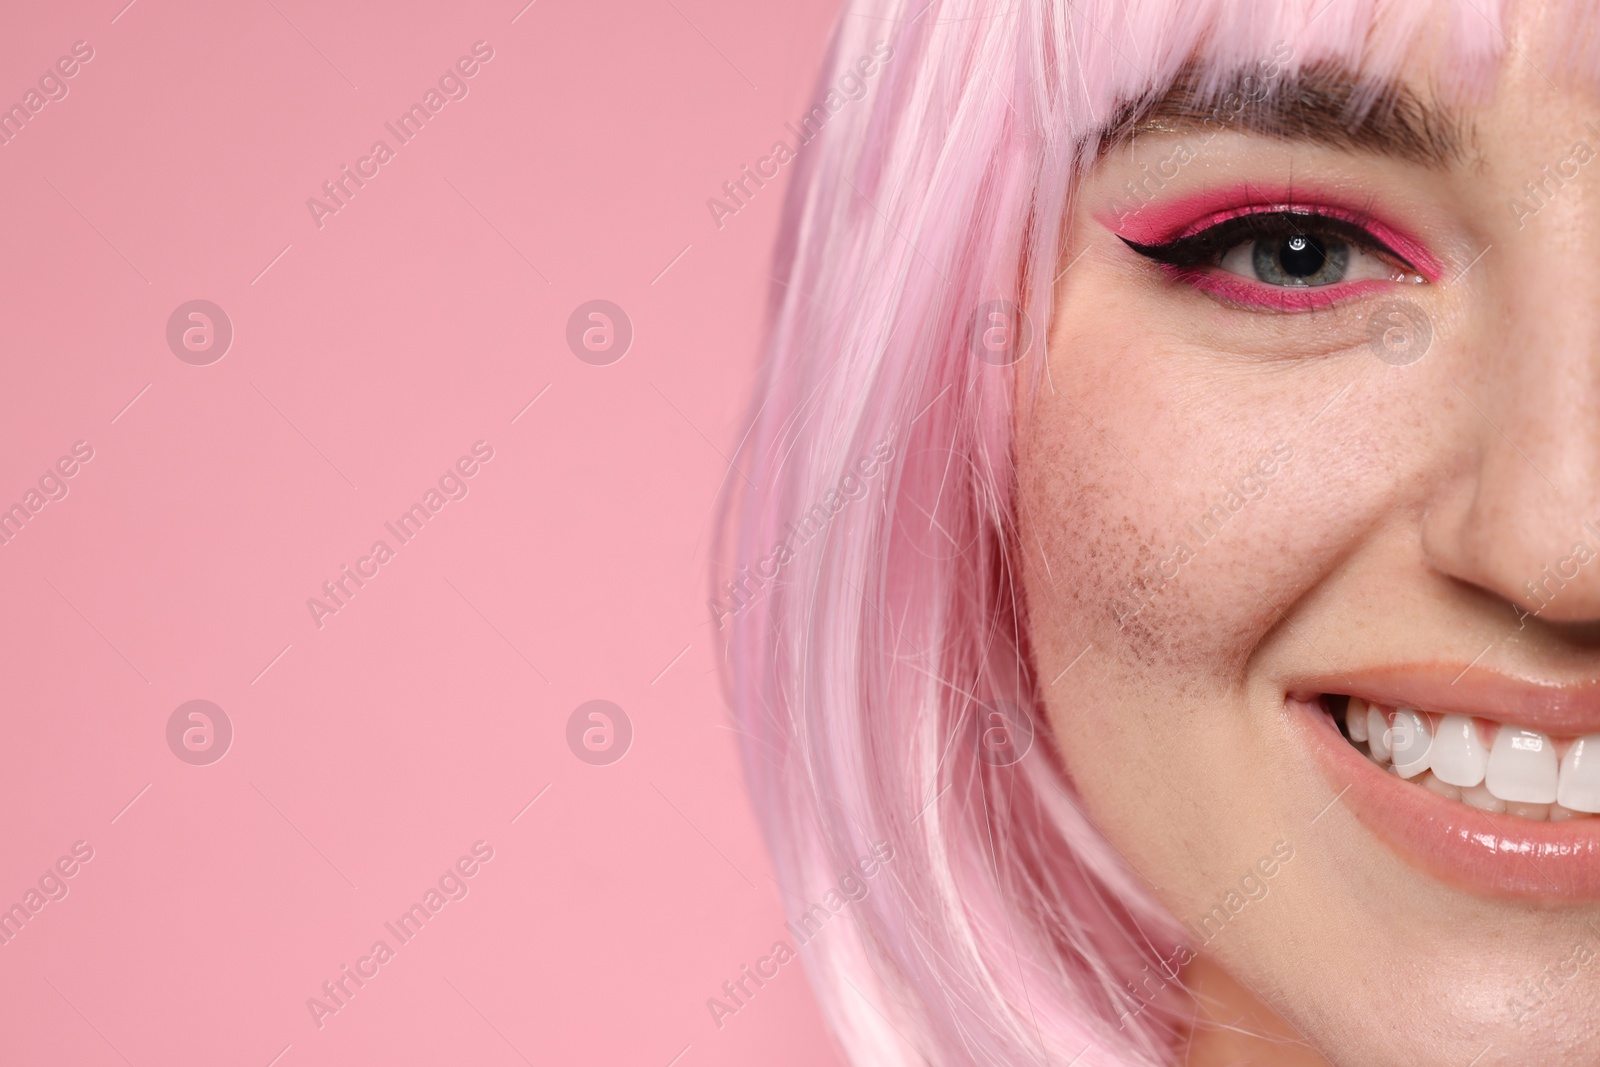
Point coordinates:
[[1160, 223]]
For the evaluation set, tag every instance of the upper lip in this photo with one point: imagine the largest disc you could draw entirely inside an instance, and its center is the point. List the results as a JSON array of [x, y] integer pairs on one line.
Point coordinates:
[[1560, 709]]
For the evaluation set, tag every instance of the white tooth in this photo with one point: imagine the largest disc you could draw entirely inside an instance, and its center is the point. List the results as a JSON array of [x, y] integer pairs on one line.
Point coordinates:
[[1378, 734], [1459, 755], [1355, 719], [1580, 775], [1561, 814], [1534, 812], [1444, 789], [1480, 797], [1409, 741], [1522, 767]]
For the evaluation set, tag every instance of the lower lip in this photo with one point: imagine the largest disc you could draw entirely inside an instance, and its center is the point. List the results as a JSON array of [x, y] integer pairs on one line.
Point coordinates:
[[1481, 851]]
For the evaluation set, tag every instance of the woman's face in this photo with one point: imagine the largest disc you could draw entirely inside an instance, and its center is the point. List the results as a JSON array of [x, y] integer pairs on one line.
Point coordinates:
[[1292, 462]]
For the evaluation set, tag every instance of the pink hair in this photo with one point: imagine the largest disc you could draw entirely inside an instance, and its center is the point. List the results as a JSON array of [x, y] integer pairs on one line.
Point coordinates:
[[872, 639]]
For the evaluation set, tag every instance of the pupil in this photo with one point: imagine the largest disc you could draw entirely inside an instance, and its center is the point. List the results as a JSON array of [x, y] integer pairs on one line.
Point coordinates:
[[1301, 256]]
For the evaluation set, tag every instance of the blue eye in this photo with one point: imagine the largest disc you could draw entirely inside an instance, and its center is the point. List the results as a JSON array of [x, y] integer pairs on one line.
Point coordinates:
[[1285, 249], [1298, 259]]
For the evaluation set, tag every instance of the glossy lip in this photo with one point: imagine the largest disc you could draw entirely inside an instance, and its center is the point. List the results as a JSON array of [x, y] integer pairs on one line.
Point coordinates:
[[1159, 222], [1560, 710], [1480, 851]]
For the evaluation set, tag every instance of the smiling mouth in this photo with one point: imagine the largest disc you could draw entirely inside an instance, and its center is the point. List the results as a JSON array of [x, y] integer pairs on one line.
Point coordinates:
[[1489, 765], [1521, 755]]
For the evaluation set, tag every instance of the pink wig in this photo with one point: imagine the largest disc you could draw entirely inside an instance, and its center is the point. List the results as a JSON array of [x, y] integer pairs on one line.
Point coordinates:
[[877, 631]]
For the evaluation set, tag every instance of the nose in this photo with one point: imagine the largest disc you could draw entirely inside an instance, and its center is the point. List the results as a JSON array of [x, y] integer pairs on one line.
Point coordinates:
[[1521, 518]]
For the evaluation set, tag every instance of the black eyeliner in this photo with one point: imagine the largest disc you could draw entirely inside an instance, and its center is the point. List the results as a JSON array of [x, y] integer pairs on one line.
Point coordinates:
[[1207, 246]]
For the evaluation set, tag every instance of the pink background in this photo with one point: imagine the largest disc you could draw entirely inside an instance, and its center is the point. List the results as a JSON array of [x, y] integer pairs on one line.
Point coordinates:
[[368, 355]]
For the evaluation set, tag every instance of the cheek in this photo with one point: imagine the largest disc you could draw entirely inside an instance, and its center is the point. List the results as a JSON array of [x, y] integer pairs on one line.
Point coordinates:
[[1092, 538], [1120, 468], [1115, 479]]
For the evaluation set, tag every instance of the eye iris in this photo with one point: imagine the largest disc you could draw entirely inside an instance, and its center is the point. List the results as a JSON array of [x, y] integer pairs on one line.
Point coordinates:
[[1300, 259]]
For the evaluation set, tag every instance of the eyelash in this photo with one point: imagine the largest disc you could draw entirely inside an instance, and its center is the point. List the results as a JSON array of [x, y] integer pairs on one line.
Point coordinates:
[[1187, 258]]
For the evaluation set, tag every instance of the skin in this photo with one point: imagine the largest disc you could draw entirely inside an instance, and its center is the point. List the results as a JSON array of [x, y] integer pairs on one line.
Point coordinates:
[[1418, 501]]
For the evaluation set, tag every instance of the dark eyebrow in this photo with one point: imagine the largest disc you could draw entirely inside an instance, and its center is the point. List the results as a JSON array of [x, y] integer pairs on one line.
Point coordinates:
[[1320, 104]]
